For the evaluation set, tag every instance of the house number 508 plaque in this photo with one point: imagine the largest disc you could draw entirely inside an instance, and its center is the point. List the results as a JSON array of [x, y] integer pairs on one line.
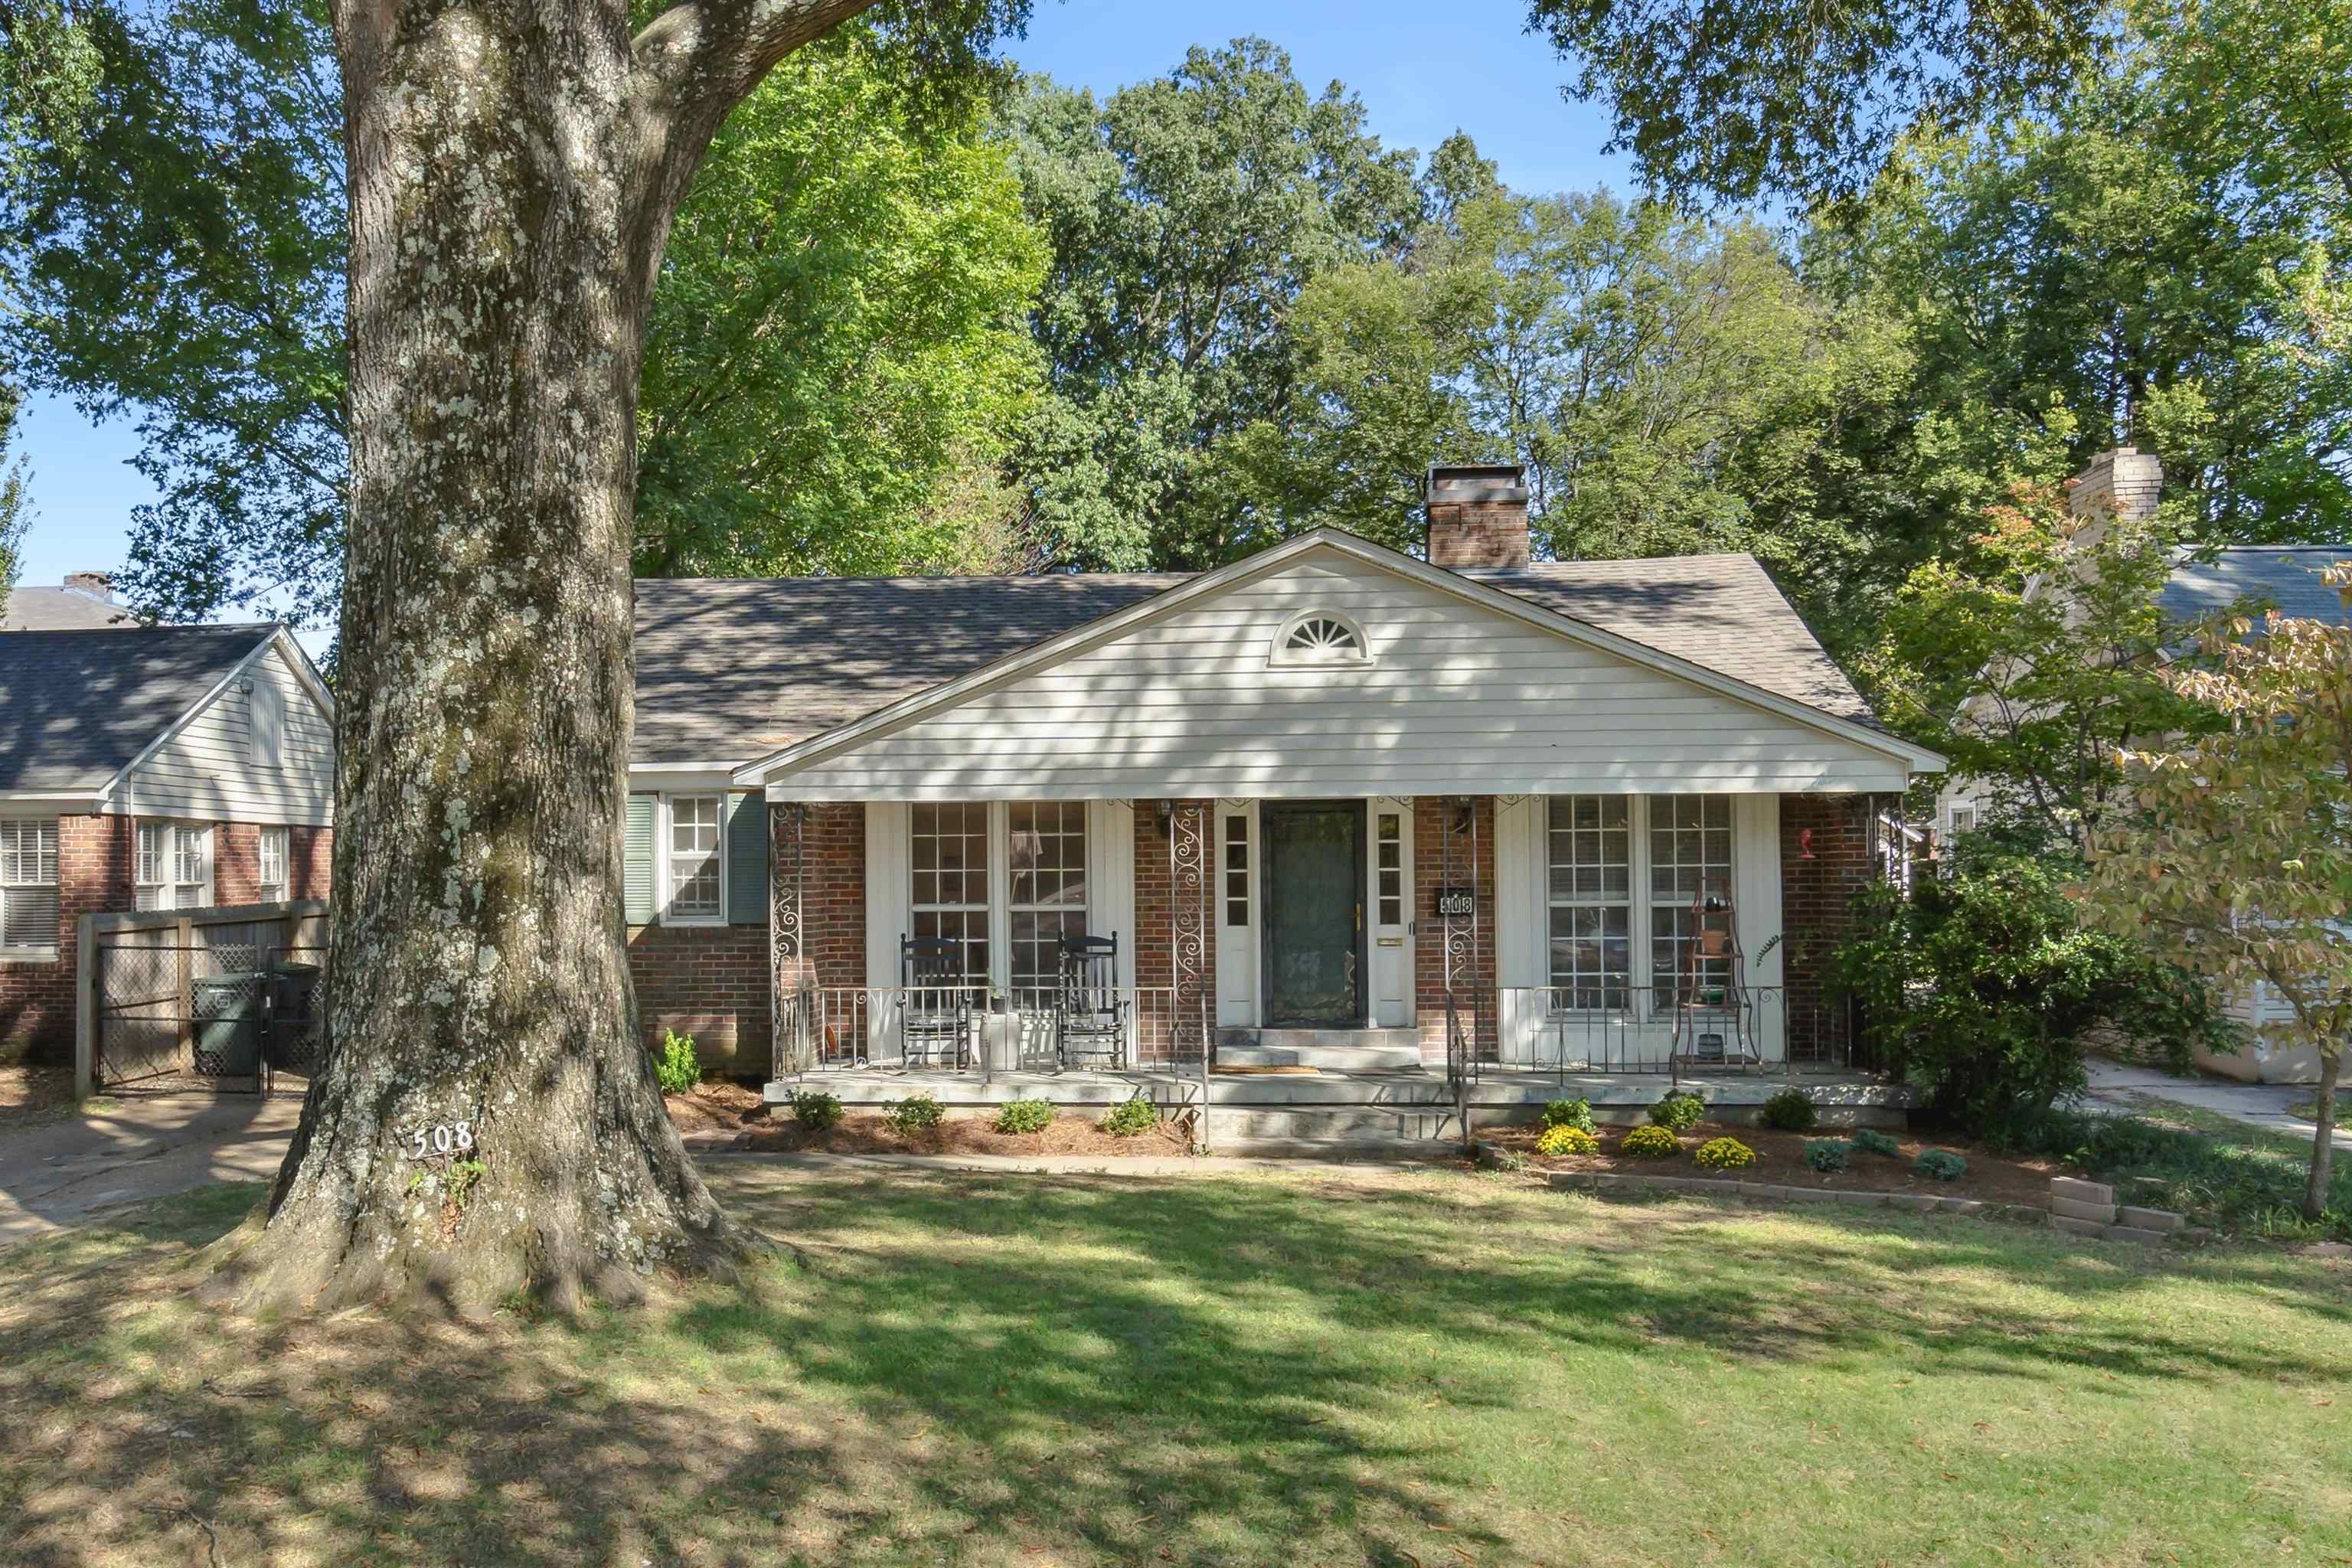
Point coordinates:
[[442, 1138], [1456, 902]]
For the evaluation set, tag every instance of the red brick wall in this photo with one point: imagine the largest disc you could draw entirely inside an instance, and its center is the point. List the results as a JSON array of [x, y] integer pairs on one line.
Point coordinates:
[[1155, 913], [710, 982], [1817, 903], [36, 999], [310, 862], [1464, 535], [1477, 978], [236, 863]]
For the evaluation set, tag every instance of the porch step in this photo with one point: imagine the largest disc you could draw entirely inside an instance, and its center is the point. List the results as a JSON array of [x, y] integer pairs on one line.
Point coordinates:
[[1331, 1124], [1332, 1050]]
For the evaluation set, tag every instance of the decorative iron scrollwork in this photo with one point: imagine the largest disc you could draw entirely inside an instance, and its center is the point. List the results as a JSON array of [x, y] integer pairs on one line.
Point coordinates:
[[789, 981], [1188, 900]]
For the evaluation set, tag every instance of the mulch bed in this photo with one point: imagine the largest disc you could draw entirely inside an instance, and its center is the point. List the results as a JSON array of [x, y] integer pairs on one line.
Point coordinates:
[[735, 1108], [1780, 1163]]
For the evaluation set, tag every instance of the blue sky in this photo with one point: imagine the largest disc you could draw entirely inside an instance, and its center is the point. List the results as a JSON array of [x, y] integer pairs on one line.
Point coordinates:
[[1422, 71]]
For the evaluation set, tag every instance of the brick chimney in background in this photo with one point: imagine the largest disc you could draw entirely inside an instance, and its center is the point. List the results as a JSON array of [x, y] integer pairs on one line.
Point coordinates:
[[97, 585], [1477, 515], [2126, 483]]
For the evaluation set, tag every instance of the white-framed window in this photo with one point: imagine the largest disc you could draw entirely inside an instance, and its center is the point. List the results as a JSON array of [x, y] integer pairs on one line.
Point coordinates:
[[28, 886], [1237, 868], [694, 859], [1963, 819], [271, 871], [950, 862], [1388, 863], [1626, 867], [1013, 874], [173, 866], [1319, 638]]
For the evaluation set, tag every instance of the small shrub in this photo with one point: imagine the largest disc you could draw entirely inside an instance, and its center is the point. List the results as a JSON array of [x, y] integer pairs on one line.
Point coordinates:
[[1827, 1154], [1495, 1158], [676, 1069], [1790, 1111], [1026, 1116], [1562, 1137], [1941, 1165], [815, 1109], [1679, 1112], [1131, 1118], [1724, 1154], [1576, 1113], [915, 1113], [1871, 1140], [1650, 1143]]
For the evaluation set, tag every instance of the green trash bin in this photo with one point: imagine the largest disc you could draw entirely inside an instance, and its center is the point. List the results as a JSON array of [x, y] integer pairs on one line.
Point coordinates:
[[226, 1012]]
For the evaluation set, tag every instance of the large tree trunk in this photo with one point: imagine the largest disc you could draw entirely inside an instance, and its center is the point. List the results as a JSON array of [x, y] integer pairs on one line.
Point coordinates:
[[2323, 1144], [513, 166]]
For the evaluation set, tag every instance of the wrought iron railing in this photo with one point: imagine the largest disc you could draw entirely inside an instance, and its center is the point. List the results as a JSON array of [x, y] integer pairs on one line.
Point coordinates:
[[970, 1029], [1672, 1030]]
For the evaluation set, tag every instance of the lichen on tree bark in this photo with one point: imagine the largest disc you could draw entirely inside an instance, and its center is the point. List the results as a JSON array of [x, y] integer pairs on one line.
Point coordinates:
[[513, 167]]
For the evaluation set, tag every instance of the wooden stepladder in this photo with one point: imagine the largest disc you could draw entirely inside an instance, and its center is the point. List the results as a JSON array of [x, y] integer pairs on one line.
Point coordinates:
[[1714, 1018]]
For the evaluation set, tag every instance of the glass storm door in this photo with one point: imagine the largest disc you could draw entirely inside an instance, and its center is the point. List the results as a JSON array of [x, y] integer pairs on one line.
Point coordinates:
[[1313, 901]]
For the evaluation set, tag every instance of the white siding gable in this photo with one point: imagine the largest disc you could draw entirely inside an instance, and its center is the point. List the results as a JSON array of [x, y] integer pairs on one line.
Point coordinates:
[[225, 765], [1456, 696]]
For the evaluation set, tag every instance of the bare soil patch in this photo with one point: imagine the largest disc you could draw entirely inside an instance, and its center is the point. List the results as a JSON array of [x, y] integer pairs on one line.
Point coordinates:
[[717, 1105], [30, 1096], [1780, 1163]]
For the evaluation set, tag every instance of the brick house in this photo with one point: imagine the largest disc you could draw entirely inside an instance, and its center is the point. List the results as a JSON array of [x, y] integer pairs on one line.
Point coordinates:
[[164, 768], [1325, 797]]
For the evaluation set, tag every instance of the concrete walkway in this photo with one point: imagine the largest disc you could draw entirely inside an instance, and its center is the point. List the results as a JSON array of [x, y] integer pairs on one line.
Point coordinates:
[[121, 1150], [2261, 1105]]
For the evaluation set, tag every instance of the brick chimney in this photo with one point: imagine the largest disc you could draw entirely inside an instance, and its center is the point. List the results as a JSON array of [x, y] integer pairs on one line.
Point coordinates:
[[1477, 515], [2125, 483], [97, 585]]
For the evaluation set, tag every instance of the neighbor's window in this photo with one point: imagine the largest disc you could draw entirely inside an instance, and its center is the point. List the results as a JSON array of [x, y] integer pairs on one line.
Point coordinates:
[[1045, 843], [29, 885], [1592, 899], [172, 866], [273, 865], [950, 871], [695, 886]]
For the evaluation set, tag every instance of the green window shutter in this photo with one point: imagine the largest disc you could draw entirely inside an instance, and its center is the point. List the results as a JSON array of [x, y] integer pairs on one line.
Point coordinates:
[[746, 859], [638, 862]]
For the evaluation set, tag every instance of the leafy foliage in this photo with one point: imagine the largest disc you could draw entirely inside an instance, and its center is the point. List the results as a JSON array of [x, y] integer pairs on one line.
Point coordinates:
[[1576, 1113], [1871, 1140], [16, 504], [2234, 1179], [1791, 1110], [816, 1110], [1678, 1111], [1567, 1137], [1130, 1118], [676, 1069], [1026, 1116], [1828, 1154], [1941, 1165], [915, 1113], [1986, 985], [1650, 1143], [1723, 1154], [2238, 862]]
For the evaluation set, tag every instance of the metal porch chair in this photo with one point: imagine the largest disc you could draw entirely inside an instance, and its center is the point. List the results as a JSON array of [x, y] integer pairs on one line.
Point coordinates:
[[1091, 1015], [934, 1004]]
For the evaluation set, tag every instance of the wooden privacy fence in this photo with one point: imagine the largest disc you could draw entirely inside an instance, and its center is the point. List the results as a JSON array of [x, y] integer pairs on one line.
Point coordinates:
[[216, 999]]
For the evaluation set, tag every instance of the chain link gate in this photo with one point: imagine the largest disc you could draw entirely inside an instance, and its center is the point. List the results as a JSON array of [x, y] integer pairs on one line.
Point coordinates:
[[226, 1008]]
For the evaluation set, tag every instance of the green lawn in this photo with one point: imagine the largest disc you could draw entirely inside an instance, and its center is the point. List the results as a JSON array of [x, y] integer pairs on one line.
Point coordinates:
[[1410, 1367]]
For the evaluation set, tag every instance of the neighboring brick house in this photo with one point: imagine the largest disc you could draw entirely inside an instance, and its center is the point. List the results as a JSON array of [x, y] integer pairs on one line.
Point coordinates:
[[1329, 788], [164, 768]]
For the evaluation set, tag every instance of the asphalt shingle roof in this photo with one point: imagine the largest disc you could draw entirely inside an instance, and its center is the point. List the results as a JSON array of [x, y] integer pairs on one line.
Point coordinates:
[[81, 704], [56, 610], [729, 670], [2284, 575]]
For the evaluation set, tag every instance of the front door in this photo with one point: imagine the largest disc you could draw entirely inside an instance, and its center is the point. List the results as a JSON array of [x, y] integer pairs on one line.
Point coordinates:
[[1313, 913]]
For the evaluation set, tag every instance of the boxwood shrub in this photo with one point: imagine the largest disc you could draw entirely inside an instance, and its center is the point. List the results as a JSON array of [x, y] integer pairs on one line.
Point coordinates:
[[1679, 1112], [1790, 1111]]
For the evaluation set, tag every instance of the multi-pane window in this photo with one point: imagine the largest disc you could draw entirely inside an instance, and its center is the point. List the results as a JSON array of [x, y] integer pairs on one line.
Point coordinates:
[[1237, 870], [695, 884], [1045, 849], [1590, 898], [173, 866], [273, 865], [950, 872], [1388, 850], [1690, 867], [29, 884]]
